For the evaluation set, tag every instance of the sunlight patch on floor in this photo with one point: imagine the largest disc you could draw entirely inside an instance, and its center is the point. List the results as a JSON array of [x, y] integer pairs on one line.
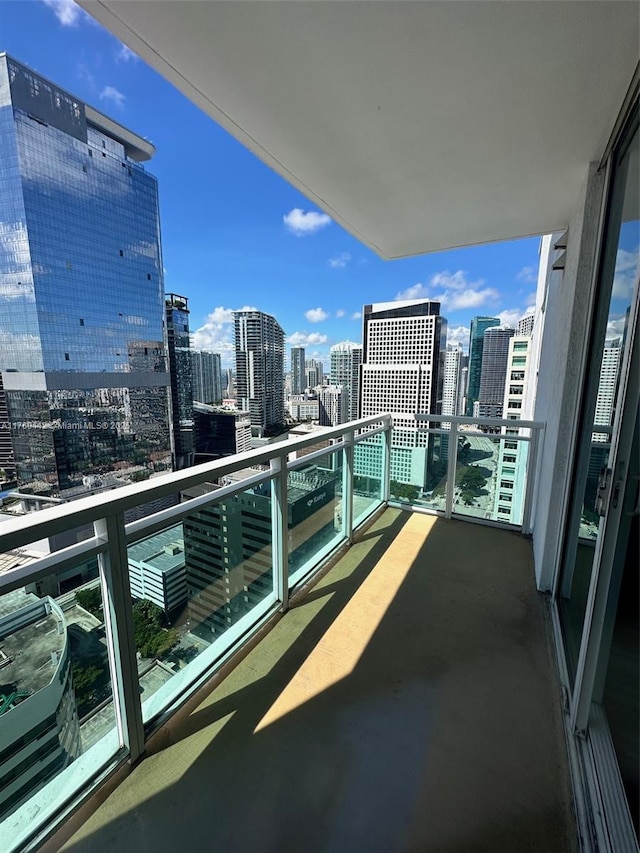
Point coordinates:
[[342, 645]]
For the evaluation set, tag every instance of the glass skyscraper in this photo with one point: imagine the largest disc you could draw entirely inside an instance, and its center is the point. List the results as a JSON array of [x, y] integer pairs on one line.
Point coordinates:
[[82, 356], [179, 352], [479, 325]]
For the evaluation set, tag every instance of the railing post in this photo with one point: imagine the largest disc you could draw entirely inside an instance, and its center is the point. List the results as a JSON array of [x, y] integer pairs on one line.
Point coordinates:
[[118, 620], [347, 485], [452, 457], [531, 471], [280, 529], [385, 490]]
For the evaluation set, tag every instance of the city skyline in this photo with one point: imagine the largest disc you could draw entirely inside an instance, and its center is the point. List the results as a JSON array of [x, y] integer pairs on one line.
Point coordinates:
[[261, 244]]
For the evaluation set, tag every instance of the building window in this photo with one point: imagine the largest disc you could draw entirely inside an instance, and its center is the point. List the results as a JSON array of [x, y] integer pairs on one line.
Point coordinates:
[[66, 356]]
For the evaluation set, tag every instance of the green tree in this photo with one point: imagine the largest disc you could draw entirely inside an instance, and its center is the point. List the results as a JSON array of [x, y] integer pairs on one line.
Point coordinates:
[[90, 599], [404, 491], [85, 686], [470, 480], [151, 639]]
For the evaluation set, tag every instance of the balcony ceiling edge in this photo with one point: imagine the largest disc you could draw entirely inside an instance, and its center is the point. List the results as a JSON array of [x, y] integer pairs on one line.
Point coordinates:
[[416, 126]]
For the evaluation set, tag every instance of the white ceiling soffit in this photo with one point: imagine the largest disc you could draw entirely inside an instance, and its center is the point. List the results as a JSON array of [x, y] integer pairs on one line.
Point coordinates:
[[418, 126]]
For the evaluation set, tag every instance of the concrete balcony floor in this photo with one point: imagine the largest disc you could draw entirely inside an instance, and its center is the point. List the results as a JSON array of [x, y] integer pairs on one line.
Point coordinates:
[[407, 702]]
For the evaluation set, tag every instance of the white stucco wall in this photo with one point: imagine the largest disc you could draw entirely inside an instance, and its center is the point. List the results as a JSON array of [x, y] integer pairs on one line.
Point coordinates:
[[568, 307]]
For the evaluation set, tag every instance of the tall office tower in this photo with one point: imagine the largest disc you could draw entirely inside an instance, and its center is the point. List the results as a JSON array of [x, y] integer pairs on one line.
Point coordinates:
[[179, 352], [207, 377], [260, 369], [476, 342], [298, 376], [219, 433], [346, 359], [331, 404], [314, 373], [82, 352], [402, 373], [525, 326], [495, 354], [452, 380]]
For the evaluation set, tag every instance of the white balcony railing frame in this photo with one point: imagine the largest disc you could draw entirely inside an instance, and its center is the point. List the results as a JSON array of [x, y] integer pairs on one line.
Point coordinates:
[[112, 536]]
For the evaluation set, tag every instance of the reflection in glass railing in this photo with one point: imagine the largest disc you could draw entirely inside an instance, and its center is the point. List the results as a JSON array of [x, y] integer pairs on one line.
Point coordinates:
[[314, 511], [57, 720], [367, 476]]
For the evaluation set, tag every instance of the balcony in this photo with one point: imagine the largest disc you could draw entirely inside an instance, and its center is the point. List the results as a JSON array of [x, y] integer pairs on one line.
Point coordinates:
[[393, 670]]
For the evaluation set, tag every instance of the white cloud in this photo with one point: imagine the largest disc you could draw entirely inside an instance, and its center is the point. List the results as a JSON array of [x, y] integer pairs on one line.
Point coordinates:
[[125, 54], [625, 273], [316, 315], [528, 274], [301, 224], [110, 93], [304, 339], [417, 291], [217, 333], [510, 317], [615, 328], [357, 315], [340, 312], [340, 261], [452, 290], [66, 12], [459, 335]]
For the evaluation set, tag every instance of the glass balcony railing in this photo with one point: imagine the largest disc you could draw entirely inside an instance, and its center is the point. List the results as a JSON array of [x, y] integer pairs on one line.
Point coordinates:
[[87, 673]]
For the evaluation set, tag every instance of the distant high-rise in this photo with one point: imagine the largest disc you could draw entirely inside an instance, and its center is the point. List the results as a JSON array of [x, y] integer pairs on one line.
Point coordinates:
[[402, 373], [476, 342], [609, 371], [525, 326], [314, 373], [331, 403], [207, 377], [178, 348], [495, 356], [452, 379], [298, 376], [260, 368], [346, 359], [230, 383], [82, 352]]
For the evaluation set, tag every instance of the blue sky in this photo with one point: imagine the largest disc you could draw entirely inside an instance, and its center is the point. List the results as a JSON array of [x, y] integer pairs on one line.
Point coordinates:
[[234, 233]]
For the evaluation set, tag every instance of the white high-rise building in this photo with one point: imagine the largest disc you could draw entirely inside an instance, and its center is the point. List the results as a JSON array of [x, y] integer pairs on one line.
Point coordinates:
[[260, 368], [331, 401], [402, 372], [346, 358], [607, 386], [453, 363]]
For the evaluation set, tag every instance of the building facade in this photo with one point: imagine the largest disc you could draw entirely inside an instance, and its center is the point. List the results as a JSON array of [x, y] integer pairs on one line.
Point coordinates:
[[331, 405], [402, 373], [314, 373], [298, 375], [495, 355], [346, 358], [82, 352], [259, 344], [206, 374], [476, 343], [179, 353], [451, 385]]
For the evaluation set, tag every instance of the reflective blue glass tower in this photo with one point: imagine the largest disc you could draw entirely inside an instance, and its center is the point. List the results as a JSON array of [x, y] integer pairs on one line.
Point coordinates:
[[82, 355]]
